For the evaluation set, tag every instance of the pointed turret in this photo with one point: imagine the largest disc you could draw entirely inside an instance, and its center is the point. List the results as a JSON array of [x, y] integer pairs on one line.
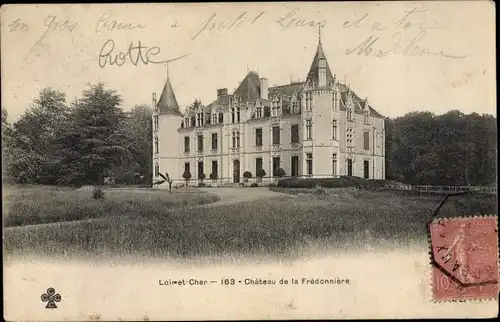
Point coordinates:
[[320, 73], [167, 104]]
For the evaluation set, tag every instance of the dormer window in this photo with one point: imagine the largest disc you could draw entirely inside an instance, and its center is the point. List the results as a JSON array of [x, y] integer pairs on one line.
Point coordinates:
[[214, 118], [367, 117], [350, 114], [335, 102], [199, 119], [259, 112], [308, 101]]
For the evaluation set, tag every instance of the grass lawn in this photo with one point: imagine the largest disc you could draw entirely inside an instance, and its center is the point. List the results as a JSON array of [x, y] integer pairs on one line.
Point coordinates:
[[153, 225], [39, 205]]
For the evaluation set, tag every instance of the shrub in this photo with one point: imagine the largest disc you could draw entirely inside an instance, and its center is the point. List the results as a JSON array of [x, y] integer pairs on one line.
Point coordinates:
[[255, 184], [186, 175], [97, 193], [247, 175], [213, 176], [279, 173], [201, 176], [201, 184], [260, 174], [310, 183]]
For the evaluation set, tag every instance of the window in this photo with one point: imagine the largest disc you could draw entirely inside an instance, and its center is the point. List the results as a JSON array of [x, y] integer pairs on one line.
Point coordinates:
[[276, 135], [367, 118], [259, 112], [221, 118], [214, 141], [236, 139], [335, 102], [199, 119], [308, 101], [186, 144], [308, 129], [200, 143], [276, 165], [258, 137], [295, 133], [295, 166], [214, 118], [238, 115], [215, 167], [267, 111], [349, 136], [186, 167], [155, 123], [200, 169], [156, 146], [349, 114], [334, 129], [334, 164], [275, 109], [258, 165], [366, 169], [366, 140], [232, 115], [294, 107], [309, 162], [157, 169]]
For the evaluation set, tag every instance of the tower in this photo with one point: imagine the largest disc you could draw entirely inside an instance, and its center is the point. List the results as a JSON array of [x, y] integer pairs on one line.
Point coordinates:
[[166, 120], [319, 106]]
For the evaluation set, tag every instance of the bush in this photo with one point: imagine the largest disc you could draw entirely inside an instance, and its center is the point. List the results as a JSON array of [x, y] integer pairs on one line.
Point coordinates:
[[213, 176], [255, 184], [201, 176], [186, 175], [201, 184], [97, 193], [342, 182], [260, 174], [247, 175], [279, 173]]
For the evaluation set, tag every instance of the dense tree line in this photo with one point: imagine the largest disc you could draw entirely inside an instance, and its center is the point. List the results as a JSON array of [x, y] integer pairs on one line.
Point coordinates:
[[79, 143], [93, 138], [447, 149]]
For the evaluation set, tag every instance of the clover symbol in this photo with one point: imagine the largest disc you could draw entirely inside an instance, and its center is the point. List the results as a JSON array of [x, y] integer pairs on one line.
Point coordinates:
[[51, 298]]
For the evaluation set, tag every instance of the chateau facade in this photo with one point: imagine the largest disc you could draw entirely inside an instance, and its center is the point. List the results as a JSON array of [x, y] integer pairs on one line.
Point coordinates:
[[317, 128]]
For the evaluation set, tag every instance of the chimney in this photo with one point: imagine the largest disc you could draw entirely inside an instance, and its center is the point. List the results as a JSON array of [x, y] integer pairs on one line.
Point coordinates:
[[264, 88], [221, 92]]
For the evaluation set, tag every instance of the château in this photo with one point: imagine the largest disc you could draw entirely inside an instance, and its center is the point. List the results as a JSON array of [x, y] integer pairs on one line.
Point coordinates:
[[317, 128]]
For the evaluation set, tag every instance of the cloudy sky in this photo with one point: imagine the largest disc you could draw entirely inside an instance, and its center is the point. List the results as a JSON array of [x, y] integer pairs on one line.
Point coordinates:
[[403, 56]]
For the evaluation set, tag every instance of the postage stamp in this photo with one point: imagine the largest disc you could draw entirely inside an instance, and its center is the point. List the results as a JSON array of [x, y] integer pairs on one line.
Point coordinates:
[[464, 258]]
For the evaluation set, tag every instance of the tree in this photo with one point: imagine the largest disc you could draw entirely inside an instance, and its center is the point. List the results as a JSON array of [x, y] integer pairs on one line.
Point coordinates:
[[96, 140], [279, 173], [213, 176], [187, 176], [261, 173], [33, 137], [247, 175]]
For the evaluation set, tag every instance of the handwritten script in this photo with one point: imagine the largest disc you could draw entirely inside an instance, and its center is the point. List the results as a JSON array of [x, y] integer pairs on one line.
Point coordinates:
[[106, 23], [135, 54], [406, 36], [214, 23], [52, 25]]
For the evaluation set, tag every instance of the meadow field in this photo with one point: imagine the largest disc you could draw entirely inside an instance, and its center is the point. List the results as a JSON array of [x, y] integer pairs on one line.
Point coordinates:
[[64, 223]]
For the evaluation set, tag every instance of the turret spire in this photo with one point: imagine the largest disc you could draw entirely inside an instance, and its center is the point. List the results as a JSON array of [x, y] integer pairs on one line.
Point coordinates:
[[319, 34]]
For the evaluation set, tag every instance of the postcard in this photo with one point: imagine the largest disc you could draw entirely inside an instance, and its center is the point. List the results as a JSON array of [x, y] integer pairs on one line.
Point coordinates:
[[242, 161]]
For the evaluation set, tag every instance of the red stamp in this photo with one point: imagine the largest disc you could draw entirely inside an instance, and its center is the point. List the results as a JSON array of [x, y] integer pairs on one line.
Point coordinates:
[[464, 255]]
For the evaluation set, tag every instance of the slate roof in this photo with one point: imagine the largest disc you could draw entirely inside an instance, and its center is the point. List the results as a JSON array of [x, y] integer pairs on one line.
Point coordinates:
[[288, 89], [167, 104], [313, 71]]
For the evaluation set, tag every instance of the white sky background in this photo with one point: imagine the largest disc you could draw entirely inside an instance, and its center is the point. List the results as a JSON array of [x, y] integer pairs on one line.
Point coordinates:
[[395, 84]]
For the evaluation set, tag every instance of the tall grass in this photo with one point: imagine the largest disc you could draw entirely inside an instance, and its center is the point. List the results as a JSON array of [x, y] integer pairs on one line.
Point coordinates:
[[47, 205], [277, 226]]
